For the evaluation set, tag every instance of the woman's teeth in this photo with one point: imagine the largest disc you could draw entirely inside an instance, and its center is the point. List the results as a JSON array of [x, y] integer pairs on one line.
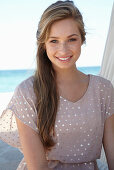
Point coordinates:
[[63, 59]]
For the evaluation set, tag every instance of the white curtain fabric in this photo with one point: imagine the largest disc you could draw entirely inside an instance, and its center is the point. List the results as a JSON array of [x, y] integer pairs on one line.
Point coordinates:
[[107, 66], [107, 71]]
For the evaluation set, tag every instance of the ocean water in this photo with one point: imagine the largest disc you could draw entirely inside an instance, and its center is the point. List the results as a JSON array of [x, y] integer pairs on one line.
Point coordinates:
[[9, 79]]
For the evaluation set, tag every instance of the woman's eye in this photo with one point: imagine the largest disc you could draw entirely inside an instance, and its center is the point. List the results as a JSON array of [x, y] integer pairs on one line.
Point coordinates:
[[72, 39], [53, 41]]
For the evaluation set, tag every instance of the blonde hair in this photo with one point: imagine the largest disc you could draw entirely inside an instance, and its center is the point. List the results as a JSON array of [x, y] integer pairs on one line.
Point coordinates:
[[58, 11], [45, 85]]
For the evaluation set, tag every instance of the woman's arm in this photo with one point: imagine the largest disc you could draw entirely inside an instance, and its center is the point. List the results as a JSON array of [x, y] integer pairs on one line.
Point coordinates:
[[32, 147], [108, 141]]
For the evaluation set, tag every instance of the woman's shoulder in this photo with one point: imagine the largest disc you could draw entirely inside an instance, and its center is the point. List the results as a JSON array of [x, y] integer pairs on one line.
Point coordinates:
[[26, 87], [27, 83], [100, 81]]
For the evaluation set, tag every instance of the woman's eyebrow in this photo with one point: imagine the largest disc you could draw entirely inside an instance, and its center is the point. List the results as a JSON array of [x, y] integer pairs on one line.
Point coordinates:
[[67, 36], [73, 35]]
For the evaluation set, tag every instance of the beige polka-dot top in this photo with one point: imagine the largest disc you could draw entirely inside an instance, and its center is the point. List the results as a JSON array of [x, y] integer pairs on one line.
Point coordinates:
[[79, 126]]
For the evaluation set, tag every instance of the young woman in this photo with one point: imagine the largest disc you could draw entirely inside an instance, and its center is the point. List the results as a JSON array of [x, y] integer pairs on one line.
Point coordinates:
[[63, 116]]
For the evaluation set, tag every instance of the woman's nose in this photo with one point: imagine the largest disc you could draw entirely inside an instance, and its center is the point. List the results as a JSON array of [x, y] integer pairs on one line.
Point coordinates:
[[63, 48]]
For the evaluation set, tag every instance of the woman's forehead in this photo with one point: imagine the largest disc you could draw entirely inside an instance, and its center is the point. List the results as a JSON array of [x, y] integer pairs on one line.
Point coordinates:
[[64, 27]]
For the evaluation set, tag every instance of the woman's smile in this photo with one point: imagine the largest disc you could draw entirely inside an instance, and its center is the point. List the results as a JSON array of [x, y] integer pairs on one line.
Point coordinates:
[[64, 59]]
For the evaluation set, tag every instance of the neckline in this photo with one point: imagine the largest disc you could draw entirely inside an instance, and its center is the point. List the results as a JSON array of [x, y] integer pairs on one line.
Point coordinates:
[[89, 84]]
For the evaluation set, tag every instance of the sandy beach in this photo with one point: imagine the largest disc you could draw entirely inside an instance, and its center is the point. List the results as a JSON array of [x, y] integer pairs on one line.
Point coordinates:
[[10, 156]]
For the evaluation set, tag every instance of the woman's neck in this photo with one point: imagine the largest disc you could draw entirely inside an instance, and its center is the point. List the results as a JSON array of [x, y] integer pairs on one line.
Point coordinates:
[[67, 75]]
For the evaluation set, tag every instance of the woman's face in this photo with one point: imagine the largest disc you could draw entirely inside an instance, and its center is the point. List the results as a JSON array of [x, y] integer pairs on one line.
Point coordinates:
[[63, 46]]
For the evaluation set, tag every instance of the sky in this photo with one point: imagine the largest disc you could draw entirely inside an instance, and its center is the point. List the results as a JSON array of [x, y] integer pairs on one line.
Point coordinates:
[[18, 25]]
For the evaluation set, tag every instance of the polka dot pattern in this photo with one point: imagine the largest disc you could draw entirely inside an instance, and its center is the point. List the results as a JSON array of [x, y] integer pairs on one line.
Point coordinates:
[[78, 127]]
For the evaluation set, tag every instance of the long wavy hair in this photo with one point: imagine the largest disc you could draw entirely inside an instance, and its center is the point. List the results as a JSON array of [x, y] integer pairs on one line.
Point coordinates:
[[45, 85]]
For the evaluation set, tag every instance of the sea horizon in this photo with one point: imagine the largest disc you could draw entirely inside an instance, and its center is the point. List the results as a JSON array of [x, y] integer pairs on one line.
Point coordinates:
[[13, 69], [11, 78]]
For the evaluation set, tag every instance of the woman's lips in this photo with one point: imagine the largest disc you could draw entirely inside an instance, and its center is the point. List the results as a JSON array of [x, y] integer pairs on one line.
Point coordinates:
[[64, 59]]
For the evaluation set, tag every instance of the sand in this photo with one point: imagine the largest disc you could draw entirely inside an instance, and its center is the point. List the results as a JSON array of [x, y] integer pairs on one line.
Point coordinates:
[[10, 156]]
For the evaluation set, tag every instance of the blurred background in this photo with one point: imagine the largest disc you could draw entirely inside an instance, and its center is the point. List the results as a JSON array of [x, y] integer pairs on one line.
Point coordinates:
[[18, 25]]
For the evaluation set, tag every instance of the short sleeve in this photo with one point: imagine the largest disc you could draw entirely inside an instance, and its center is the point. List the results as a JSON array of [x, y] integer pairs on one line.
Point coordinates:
[[22, 106], [109, 101]]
